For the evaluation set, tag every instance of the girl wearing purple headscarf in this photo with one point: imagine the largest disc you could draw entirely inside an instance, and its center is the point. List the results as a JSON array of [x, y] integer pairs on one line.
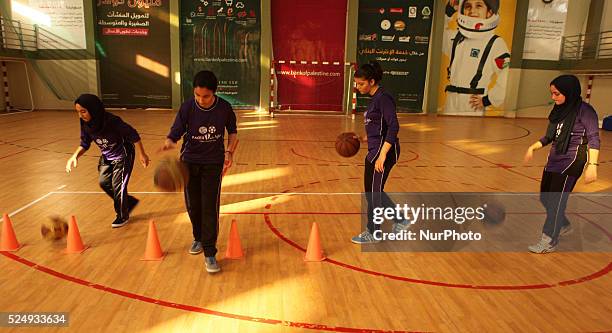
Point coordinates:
[[117, 141], [574, 133]]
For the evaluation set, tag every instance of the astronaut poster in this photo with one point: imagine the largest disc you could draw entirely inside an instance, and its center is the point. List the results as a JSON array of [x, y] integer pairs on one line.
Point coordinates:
[[396, 33], [476, 57], [222, 36]]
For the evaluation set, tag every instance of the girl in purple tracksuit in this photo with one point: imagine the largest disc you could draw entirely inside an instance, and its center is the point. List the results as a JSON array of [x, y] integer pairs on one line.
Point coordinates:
[[381, 127], [574, 134], [117, 141], [201, 122]]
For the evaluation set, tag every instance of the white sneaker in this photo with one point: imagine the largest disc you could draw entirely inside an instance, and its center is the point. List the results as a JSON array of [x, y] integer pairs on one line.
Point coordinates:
[[400, 226], [543, 246]]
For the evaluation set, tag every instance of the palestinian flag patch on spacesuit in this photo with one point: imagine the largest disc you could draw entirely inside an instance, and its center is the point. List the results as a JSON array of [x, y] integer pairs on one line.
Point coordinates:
[[502, 61]]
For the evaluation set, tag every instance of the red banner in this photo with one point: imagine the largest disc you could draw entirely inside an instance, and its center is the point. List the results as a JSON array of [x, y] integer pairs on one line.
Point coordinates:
[[310, 33]]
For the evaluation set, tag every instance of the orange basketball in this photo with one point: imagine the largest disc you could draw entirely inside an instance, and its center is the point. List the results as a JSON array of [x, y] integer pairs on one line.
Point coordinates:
[[54, 229], [347, 144], [170, 175]]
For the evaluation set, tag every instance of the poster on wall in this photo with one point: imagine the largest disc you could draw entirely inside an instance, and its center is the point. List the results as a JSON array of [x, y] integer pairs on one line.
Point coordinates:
[[308, 39], [476, 57], [545, 28], [61, 22], [396, 34], [222, 36], [133, 47]]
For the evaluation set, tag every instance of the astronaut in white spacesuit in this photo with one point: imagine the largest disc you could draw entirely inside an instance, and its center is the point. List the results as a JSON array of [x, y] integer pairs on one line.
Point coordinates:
[[476, 55]]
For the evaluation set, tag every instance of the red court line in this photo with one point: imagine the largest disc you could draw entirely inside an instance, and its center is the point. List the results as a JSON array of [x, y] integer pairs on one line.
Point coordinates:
[[597, 226], [184, 307], [597, 203], [484, 159], [197, 309], [416, 157], [589, 277], [312, 158], [527, 133]]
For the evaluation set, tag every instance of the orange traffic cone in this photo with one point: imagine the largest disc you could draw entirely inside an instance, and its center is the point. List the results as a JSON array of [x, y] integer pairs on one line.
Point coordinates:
[[8, 242], [314, 252], [234, 248], [74, 243], [153, 250]]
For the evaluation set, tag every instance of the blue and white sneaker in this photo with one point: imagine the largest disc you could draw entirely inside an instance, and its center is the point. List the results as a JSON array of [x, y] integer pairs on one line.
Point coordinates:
[[211, 265], [400, 226], [196, 247], [364, 238]]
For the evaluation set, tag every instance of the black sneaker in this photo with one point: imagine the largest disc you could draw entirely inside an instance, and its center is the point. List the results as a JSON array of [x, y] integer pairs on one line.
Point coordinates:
[[132, 204], [119, 222], [196, 247]]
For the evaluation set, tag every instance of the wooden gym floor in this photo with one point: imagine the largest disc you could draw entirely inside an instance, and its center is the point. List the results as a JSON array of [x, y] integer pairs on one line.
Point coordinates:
[[107, 288]]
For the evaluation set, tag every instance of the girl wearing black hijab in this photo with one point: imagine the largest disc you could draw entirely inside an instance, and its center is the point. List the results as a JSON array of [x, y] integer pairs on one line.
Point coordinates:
[[117, 141], [574, 133]]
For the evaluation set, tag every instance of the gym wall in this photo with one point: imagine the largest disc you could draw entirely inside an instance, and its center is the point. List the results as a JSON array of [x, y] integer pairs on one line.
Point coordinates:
[[528, 81], [533, 97]]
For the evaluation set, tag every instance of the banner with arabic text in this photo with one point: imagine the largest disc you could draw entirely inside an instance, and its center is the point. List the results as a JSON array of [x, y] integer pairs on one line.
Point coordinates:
[[222, 36], [396, 34], [61, 23], [545, 28], [133, 47]]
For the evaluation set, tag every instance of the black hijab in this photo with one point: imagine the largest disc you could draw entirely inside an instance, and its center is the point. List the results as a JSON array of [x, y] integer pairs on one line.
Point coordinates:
[[95, 107], [565, 113]]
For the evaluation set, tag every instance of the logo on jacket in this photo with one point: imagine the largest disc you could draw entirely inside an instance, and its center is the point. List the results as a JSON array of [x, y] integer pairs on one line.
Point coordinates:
[[102, 143], [559, 128], [208, 134]]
